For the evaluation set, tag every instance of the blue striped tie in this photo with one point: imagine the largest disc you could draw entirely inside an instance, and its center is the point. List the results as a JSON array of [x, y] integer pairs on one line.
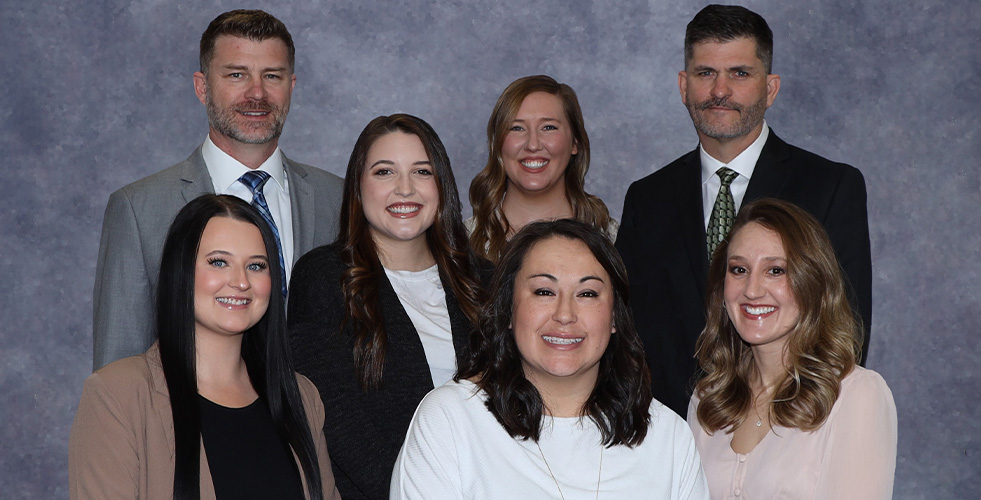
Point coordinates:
[[255, 179]]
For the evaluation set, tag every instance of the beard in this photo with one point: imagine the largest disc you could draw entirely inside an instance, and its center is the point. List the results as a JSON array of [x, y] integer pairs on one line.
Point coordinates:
[[223, 120], [750, 116]]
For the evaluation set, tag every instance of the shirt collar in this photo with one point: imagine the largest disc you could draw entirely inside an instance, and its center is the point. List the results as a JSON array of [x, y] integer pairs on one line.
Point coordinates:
[[226, 170], [743, 164]]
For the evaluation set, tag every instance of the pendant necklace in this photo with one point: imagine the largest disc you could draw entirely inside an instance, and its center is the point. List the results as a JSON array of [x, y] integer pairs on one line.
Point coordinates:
[[599, 474]]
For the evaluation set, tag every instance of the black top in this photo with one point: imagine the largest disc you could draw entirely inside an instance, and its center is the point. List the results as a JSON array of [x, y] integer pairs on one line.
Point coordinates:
[[364, 430], [246, 455]]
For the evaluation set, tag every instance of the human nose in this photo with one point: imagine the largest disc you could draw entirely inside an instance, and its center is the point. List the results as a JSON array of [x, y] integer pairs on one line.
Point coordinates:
[[755, 288], [256, 89], [565, 310], [720, 87], [534, 141], [404, 185], [239, 279]]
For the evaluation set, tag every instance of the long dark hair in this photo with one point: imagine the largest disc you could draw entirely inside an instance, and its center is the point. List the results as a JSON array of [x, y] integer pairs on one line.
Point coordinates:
[[263, 346], [489, 185], [620, 401], [447, 240], [824, 345]]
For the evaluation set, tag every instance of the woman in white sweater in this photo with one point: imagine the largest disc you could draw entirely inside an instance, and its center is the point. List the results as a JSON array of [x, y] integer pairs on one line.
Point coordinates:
[[556, 401]]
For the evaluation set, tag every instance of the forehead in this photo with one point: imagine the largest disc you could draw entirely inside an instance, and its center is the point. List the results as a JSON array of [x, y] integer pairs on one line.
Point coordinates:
[[563, 258], [541, 104], [236, 50], [233, 236], [754, 240], [397, 145], [738, 52]]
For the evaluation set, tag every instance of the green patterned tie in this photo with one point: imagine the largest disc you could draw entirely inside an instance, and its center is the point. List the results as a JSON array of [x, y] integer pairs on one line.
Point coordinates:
[[723, 212]]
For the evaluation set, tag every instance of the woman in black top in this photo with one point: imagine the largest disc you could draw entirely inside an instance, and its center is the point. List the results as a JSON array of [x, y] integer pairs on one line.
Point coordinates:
[[359, 327]]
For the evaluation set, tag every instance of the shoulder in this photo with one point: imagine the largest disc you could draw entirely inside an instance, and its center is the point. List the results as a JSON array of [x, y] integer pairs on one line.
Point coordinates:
[[452, 397], [659, 179], [326, 258], [166, 179], [127, 382], [802, 158], [314, 174], [863, 384]]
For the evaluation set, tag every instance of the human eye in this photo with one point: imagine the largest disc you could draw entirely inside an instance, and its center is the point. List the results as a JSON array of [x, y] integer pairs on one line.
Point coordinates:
[[737, 269], [777, 271], [543, 292], [589, 294], [235, 74], [217, 262], [382, 172], [517, 128], [425, 171], [258, 266], [550, 127], [273, 76]]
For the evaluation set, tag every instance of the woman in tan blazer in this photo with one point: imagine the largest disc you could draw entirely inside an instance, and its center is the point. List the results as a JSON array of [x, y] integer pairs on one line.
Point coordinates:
[[213, 409]]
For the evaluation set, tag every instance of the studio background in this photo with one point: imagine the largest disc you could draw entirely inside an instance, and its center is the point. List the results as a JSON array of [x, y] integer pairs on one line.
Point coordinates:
[[98, 94]]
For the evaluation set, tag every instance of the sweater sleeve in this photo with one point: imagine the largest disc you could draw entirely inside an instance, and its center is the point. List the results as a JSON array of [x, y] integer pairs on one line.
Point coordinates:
[[427, 464], [860, 459]]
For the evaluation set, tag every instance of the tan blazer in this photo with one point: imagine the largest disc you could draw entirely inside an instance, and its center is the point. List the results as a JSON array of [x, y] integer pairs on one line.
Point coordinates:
[[122, 441]]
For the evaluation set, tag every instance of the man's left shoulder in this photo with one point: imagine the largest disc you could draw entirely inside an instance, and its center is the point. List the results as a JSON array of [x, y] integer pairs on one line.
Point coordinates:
[[313, 174], [803, 158]]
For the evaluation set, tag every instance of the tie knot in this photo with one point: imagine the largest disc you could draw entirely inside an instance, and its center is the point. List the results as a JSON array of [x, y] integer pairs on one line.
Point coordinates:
[[255, 179], [727, 175]]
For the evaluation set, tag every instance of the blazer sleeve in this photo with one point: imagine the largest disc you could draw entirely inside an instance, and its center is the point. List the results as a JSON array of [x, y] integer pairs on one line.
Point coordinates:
[[847, 223], [103, 456], [314, 408], [123, 295], [860, 459]]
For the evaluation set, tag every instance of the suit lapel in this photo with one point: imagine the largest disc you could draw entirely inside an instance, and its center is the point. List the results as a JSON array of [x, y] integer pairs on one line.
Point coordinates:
[[195, 177], [771, 172], [692, 218], [302, 208]]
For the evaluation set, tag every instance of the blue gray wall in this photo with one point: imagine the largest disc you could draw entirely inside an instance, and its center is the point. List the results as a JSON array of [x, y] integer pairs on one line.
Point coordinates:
[[97, 94]]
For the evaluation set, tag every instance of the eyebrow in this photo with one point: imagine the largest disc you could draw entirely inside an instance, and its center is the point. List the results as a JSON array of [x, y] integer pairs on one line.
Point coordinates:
[[241, 67], [226, 252], [544, 118], [767, 259], [390, 162], [553, 278]]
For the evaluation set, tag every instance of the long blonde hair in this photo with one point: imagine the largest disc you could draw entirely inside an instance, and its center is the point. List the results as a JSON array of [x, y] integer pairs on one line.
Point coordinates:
[[824, 346], [488, 187]]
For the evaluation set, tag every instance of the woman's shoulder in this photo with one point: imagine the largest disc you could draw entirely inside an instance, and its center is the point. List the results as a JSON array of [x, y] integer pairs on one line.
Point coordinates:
[[322, 257], [864, 381], [129, 373]]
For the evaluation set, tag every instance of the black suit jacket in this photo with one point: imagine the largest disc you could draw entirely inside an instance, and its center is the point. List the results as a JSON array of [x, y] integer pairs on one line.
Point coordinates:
[[364, 430], [662, 242]]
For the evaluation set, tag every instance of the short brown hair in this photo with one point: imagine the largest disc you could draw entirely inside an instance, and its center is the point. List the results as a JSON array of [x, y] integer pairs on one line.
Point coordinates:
[[255, 25]]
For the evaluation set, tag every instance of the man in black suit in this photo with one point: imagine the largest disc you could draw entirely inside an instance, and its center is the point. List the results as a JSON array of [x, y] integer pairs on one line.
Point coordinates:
[[727, 87]]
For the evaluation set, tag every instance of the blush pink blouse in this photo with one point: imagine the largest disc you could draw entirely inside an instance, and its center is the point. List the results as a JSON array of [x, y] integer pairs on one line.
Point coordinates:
[[852, 456]]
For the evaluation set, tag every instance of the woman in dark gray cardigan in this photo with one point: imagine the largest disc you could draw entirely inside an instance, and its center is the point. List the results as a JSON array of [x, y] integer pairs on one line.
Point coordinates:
[[383, 315]]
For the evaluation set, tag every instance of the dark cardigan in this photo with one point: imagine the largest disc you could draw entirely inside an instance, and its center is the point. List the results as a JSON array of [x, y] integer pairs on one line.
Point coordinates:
[[364, 430]]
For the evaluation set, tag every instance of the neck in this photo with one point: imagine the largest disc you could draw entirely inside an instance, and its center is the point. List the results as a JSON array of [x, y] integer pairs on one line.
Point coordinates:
[[522, 208], [405, 255], [771, 367], [565, 399], [222, 376], [250, 155], [726, 150]]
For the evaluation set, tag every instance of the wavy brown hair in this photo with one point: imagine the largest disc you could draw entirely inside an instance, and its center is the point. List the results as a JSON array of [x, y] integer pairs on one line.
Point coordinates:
[[619, 403], [824, 345], [447, 240], [488, 187]]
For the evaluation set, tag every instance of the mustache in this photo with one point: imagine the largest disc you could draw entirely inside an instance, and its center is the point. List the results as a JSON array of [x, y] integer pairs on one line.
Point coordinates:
[[260, 106], [718, 102]]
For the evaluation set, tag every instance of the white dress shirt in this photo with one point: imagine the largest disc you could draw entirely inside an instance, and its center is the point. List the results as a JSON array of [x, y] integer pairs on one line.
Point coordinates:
[[225, 172], [743, 164]]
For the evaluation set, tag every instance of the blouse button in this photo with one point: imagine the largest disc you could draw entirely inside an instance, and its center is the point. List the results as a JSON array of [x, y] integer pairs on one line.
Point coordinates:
[[737, 492], [742, 458]]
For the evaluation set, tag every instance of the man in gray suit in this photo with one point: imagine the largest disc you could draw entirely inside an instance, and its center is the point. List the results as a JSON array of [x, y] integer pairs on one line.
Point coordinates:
[[245, 84]]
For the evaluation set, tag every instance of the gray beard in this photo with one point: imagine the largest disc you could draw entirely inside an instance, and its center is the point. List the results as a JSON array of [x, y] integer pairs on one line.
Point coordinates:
[[223, 121], [749, 118]]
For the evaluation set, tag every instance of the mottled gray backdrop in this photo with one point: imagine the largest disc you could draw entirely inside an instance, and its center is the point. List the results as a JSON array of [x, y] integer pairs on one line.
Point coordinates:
[[97, 94]]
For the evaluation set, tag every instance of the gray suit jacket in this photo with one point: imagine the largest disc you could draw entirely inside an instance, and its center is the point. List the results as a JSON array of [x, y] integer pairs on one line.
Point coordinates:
[[135, 226]]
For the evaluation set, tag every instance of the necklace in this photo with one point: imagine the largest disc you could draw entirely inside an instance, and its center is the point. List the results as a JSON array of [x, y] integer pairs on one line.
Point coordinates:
[[599, 474]]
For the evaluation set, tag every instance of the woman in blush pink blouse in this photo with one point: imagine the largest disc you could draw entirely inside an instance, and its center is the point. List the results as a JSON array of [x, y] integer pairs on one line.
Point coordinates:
[[782, 410]]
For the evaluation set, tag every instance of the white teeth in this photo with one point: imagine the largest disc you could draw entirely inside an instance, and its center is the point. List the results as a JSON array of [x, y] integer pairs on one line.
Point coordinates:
[[561, 340], [758, 311], [403, 209], [253, 113], [535, 164], [232, 302]]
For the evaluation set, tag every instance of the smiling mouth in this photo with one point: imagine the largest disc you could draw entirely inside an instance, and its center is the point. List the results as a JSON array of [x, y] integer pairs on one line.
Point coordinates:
[[534, 164], [403, 209], [562, 340], [232, 302], [759, 310]]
